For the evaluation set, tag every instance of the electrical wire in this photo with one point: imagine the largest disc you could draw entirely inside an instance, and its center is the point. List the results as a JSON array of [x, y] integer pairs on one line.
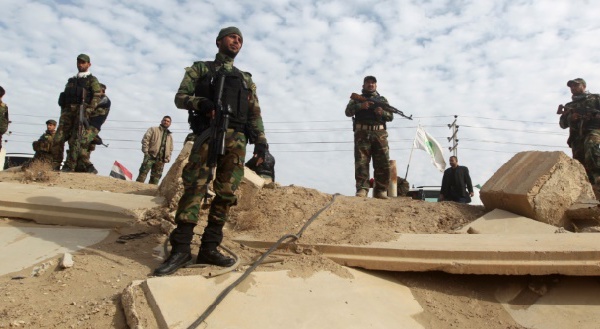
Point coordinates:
[[227, 290]]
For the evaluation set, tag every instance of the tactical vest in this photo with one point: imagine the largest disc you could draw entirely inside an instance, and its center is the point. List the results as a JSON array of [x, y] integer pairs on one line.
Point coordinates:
[[236, 94], [369, 115], [76, 92]]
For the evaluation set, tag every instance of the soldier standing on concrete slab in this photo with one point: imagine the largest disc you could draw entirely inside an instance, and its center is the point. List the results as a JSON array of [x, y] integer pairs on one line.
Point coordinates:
[[370, 141], [157, 146], [3, 116], [197, 94], [456, 183], [82, 89], [43, 145], [582, 117], [90, 137]]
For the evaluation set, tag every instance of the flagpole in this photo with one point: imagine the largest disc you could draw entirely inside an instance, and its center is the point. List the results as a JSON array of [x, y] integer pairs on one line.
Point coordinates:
[[411, 150]]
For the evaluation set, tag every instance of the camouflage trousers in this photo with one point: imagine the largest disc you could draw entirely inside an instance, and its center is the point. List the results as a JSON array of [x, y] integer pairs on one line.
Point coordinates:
[[578, 149], [229, 174], [371, 145], [592, 156], [68, 116], [152, 165], [80, 148]]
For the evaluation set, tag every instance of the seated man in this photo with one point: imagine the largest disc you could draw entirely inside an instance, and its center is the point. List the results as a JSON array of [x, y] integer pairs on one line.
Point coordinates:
[[43, 145]]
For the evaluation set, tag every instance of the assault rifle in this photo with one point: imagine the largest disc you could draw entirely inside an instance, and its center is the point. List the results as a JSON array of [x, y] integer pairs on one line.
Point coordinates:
[[562, 109], [386, 107], [215, 135], [82, 120]]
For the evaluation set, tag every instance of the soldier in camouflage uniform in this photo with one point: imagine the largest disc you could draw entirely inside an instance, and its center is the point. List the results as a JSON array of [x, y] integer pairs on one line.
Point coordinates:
[[196, 94], [90, 138], [370, 141], [157, 146], [81, 90], [43, 145], [3, 116], [582, 117]]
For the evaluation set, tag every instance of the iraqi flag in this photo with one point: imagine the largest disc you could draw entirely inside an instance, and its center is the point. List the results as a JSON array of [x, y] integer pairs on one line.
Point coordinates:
[[119, 171]]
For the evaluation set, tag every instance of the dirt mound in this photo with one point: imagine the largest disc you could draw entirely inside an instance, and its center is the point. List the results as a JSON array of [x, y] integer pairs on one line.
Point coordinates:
[[349, 220]]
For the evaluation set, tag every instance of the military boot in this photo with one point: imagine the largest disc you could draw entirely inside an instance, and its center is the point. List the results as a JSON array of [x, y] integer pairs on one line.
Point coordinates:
[[362, 193], [66, 168], [380, 195], [213, 257], [175, 261], [92, 170]]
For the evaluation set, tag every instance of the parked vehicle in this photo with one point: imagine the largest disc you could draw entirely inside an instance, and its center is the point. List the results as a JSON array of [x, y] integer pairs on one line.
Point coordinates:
[[16, 159], [425, 193]]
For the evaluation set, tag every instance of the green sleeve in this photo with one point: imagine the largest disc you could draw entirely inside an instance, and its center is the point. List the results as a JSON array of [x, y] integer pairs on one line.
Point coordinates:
[[255, 116], [184, 98], [352, 108]]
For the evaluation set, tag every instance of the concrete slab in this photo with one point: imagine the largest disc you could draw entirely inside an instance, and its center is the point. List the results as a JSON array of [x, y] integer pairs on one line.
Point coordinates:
[[538, 185], [275, 300], [253, 179], [504, 254], [569, 303], [500, 221], [25, 244], [62, 206]]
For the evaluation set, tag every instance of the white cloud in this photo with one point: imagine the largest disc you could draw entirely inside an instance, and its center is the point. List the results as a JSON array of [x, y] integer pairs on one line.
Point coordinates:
[[485, 61]]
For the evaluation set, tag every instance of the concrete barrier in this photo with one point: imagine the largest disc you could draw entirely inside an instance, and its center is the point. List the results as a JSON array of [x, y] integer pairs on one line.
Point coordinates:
[[538, 185]]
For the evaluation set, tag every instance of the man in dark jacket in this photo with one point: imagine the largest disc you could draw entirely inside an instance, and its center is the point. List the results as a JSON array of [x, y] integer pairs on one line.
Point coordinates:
[[456, 183]]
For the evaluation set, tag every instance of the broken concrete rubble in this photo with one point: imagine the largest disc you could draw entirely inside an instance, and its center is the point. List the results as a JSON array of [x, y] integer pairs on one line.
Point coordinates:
[[538, 185]]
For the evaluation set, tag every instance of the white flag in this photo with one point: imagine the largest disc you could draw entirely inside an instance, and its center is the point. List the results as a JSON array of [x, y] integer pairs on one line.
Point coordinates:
[[427, 143]]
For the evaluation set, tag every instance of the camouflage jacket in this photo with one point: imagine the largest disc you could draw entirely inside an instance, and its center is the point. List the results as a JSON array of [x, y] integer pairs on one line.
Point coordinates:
[[185, 98], [44, 143], [368, 116], [3, 118], [588, 107]]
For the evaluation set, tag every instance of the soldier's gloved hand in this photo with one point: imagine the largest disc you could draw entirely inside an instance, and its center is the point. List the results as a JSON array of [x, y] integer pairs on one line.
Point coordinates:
[[260, 150], [206, 106]]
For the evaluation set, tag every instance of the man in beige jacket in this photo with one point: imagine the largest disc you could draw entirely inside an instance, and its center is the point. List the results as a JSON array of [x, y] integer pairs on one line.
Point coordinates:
[[157, 146]]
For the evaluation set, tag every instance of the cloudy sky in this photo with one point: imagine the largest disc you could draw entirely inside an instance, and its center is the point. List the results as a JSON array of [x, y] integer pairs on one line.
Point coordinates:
[[499, 68]]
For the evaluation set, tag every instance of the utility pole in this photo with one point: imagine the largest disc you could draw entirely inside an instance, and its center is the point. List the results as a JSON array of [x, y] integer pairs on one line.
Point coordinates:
[[453, 138]]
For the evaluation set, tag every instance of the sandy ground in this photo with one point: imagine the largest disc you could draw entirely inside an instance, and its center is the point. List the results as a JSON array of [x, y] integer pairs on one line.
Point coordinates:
[[88, 294]]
